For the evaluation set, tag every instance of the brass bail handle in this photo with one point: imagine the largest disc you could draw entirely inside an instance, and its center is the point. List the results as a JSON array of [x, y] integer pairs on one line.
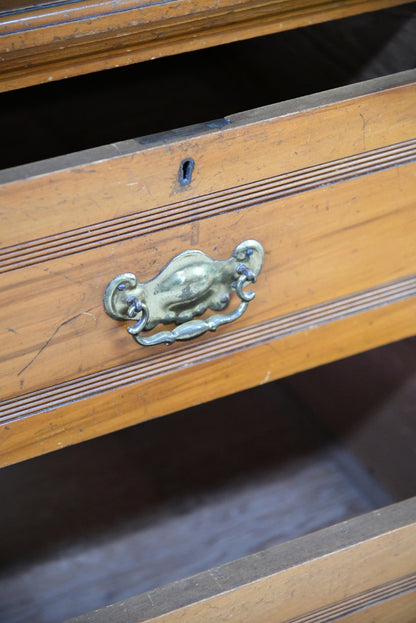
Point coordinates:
[[190, 283]]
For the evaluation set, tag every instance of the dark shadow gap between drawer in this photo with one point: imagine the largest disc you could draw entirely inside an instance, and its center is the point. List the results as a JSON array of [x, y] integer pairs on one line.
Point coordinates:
[[79, 113]]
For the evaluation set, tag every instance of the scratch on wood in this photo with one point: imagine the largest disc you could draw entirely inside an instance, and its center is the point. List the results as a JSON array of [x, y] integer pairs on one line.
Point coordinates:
[[195, 233], [215, 578], [88, 313], [365, 122], [116, 147], [65, 322], [266, 378]]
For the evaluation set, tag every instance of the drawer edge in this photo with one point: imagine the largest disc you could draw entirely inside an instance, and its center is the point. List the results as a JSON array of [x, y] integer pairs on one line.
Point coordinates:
[[75, 38], [369, 557]]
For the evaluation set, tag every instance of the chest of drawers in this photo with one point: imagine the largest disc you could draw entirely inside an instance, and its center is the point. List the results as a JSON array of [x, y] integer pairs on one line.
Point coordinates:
[[325, 182]]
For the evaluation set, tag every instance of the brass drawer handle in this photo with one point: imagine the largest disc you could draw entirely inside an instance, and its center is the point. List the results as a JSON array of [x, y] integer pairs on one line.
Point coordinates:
[[190, 284]]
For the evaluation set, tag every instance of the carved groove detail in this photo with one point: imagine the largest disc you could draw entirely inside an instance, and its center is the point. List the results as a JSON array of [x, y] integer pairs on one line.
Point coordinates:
[[193, 354], [202, 207], [358, 602]]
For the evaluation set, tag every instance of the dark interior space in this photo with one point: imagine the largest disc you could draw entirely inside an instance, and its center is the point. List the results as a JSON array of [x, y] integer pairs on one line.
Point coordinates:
[[53, 119]]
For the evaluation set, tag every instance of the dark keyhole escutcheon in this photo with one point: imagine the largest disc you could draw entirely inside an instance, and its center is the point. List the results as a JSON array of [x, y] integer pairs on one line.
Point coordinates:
[[185, 171]]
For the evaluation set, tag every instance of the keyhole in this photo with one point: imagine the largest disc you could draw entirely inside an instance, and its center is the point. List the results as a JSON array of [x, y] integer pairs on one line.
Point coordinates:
[[185, 171]]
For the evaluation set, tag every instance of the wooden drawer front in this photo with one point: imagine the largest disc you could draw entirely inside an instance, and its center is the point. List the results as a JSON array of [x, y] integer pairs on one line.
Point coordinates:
[[326, 183], [359, 570]]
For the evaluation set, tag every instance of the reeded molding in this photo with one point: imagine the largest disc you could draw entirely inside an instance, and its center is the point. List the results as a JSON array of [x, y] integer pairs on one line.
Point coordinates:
[[199, 208], [196, 353]]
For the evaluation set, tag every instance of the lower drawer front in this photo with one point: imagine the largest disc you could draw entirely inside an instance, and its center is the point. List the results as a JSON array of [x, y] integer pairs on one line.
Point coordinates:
[[327, 185], [360, 570]]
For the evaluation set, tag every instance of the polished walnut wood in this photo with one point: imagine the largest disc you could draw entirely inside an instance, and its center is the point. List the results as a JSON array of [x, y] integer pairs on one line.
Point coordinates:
[[41, 42], [325, 183]]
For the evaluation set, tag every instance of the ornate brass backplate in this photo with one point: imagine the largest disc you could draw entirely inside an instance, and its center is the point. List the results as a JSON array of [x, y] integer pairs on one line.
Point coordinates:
[[190, 284]]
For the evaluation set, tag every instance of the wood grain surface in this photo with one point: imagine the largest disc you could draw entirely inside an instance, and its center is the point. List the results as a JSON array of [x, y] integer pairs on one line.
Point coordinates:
[[317, 249], [41, 42], [187, 385], [354, 571], [334, 211]]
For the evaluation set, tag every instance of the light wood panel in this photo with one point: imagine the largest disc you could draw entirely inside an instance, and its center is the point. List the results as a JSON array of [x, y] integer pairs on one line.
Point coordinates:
[[156, 364], [43, 42], [360, 570], [67, 422], [338, 227], [334, 214], [320, 245]]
